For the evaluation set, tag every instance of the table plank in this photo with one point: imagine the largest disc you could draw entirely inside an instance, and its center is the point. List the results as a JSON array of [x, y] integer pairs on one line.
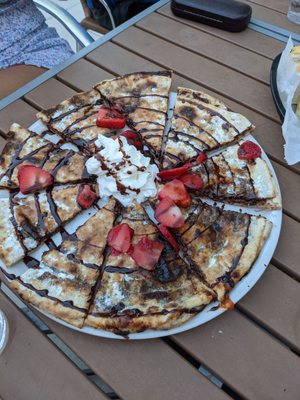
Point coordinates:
[[33, 368], [19, 112], [268, 302], [83, 75], [202, 43], [274, 17], [275, 5], [287, 251], [222, 79], [49, 94], [245, 357], [249, 39], [142, 369]]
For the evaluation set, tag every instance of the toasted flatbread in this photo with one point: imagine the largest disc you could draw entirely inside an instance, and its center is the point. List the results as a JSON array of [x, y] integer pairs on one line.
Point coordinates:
[[227, 178], [25, 222], [63, 282], [74, 119], [144, 97], [201, 123], [27, 148], [223, 245], [131, 299]]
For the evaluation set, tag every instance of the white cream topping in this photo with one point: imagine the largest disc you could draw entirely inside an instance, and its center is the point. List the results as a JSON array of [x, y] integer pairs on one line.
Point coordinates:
[[122, 168]]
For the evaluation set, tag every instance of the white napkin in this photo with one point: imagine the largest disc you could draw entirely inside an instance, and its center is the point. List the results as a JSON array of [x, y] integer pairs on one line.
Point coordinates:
[[287, 82]]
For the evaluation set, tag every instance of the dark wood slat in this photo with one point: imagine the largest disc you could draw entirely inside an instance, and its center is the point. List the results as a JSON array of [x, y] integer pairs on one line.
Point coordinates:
[[19, 112], [274, 303], [202, 43], [121, 61], [223, 80], [33, 368], [49, 94], [287, 251], [244, 356], [146, 369], [83, 75], [249, 39]]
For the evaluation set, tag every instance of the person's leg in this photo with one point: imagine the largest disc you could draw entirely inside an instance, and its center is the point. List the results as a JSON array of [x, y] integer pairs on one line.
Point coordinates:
[[14, 77]]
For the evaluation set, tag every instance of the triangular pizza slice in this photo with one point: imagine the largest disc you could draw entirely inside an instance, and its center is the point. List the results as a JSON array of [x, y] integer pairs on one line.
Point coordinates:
[[28, 148], [201, 123], [222, 245], [25, 222], [74, 119], [144, 97], [131, 298], [234, 180], [62, 283]]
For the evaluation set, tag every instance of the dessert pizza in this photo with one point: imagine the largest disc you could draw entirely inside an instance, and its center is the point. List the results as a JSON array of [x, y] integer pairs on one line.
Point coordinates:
[[138, 243]]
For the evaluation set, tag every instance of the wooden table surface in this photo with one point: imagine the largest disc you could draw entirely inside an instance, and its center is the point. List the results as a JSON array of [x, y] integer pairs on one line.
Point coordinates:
[[253, 350]]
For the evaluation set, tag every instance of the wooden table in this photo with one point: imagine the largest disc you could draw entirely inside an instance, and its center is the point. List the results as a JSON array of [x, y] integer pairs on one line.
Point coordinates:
[[253, 350]]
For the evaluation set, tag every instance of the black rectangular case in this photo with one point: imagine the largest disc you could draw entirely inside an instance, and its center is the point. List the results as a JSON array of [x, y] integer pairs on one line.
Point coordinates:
[[230, 15]]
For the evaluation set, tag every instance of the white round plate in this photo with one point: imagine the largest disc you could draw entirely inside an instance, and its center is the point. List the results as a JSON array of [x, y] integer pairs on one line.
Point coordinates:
[[208, 313]]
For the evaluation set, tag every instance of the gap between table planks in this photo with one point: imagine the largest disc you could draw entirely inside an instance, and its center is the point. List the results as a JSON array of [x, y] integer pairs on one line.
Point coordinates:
[[33, 368]]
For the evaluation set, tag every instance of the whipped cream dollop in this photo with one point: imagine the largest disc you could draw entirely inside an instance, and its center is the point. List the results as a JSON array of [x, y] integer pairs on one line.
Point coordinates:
[[123, 171]]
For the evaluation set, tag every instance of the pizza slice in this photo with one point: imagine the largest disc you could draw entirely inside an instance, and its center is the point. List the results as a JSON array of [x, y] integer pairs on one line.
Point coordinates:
[[222, 245], [62, 283], [201, 123], [144, 98], [27, 148], [25, 222], [132, 298], [228, 178], [74, 119]]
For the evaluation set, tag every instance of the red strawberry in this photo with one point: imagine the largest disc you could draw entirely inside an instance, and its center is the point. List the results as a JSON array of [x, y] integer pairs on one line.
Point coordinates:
[[146, 253], [133, 139], [86, 196], [114, 252], [177, 192], [168, 214], [192, 181], [120, 237], [110, 118], [168, 236], [201, 158], [33, 179], [249, 151], [169, 174]]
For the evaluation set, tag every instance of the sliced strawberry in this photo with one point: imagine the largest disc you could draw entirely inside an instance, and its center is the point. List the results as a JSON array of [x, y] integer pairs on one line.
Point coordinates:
[[33, 179], [249, 151], [120, 237], [114, 252], [177, 192], [201, 158], [110, 118], [168, 214], [192, 181], [86, 196], [133, 139], [169, 174], [168, 236], [146, 253]]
